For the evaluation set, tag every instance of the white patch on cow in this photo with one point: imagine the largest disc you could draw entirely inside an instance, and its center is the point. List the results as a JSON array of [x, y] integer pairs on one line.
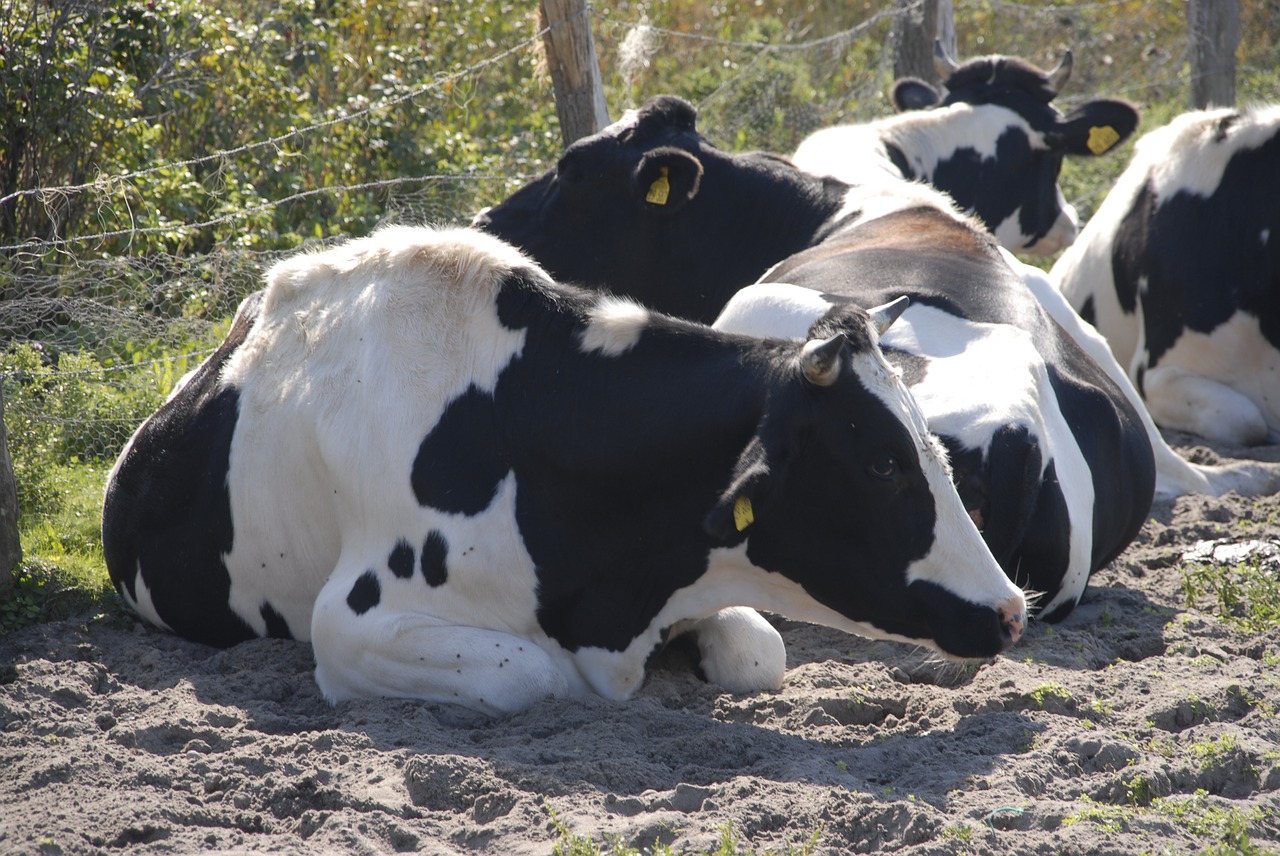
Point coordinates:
[[346, 339], [624, 124], [1004, 363], [615, 326], [143, 604], [739, 650], [1264, 236], [1224, 386], [772, 309], [1061, 234], [475, 640], [1187, 154]]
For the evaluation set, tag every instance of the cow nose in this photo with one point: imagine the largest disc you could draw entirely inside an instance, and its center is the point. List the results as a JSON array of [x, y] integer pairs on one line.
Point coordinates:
[[1013, 617]]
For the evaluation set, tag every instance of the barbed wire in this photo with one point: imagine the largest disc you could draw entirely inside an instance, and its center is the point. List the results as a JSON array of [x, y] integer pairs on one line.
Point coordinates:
[[158, 301]]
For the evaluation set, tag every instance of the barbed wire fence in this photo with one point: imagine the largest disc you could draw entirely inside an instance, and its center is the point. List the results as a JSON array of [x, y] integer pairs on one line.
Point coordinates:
[[764, 84]]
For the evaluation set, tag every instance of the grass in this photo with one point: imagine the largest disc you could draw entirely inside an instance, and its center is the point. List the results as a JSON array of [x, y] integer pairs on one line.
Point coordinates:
[[63, 571], [1246, 594], [1196, 814], [571, 844]]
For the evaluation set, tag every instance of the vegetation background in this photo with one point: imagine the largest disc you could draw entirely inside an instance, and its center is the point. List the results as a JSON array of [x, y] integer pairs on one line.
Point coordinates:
[[157, 155]]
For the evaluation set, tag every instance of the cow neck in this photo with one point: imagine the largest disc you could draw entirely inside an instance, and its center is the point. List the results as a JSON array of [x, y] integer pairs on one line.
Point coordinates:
[[682, 399]]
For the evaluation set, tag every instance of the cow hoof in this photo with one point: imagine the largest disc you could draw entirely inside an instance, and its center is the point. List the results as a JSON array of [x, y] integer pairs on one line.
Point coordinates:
[[740, 651]]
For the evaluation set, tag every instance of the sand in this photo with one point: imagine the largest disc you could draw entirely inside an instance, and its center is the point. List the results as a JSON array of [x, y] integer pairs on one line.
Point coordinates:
[[1139, 724]]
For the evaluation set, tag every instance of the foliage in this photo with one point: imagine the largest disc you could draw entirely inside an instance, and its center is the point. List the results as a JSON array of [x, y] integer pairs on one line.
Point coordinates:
[[157, 87], [48, 590]]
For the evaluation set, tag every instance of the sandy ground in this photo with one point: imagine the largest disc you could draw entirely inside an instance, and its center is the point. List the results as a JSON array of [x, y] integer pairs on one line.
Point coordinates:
[[1137, 725]]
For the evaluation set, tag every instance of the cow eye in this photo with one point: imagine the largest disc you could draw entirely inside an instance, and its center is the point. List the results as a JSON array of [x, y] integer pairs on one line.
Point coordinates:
[[883, 467]]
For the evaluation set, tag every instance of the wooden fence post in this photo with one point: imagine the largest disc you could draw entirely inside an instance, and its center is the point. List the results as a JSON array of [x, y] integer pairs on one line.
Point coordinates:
[[575, 71], [10, 546], [918, 24], [1213, 30]]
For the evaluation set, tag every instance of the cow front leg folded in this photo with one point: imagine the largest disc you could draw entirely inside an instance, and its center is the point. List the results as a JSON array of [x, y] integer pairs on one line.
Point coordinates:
[[1186, 401], [381, 651], [739, 650]]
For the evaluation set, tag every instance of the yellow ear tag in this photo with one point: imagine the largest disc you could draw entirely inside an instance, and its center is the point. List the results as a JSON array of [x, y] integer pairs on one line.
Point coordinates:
[[743, 516], [1101, 139], [659, 190]]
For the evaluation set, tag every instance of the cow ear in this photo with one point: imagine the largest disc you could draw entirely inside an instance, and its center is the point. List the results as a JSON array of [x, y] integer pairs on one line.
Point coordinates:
[[667, 178], [912, 93], [1094, 128], [730, 520]]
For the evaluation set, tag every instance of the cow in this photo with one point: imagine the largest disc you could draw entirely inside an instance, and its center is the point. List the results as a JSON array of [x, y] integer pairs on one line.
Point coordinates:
[[1057, 465], [466, 483], [1180, 270], [991, 139]]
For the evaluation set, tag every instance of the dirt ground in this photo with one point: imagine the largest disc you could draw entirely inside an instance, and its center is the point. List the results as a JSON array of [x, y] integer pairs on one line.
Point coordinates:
[[1138, 725]]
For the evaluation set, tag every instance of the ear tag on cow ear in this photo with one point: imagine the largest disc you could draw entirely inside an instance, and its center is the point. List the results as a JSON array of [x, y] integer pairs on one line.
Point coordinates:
[[743, 515], [1102, 138], [659, 190]]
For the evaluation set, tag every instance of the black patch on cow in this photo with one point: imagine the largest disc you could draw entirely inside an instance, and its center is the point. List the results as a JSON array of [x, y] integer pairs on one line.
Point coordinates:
[[1088, 311], [366, 593], [589, 226], [400, 562], [458, 468], [435, 554], [914, 367], [277, 627], [167, 511], [1203, 258], [1026, 179], [900, 162], [956, 624], [1128, 247]]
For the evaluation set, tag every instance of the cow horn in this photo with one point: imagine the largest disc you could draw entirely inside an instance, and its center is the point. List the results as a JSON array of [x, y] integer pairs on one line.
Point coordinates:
[[884, 316], [820, 359], [1059, 76], [943, 64]]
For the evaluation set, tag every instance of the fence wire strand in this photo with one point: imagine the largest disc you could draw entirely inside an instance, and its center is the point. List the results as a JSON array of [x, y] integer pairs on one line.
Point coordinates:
[[150, 316]]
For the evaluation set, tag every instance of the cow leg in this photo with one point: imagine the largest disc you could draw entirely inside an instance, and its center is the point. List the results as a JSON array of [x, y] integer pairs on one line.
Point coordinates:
[[386, 652], [1189, 402], [739, 650]]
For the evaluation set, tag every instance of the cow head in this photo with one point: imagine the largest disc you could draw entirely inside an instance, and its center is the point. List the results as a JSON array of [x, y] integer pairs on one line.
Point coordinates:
[[844, 491], [999, 150], [633, 206]]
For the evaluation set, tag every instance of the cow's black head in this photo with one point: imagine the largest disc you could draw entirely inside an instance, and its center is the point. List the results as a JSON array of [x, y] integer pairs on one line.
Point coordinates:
[[634, 207], [844, 491], [1009, 178]]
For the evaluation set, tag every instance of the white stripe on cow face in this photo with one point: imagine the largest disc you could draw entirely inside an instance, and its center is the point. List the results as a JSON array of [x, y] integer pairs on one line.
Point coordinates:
[[1003, 362], [615, 326], [963, 566]]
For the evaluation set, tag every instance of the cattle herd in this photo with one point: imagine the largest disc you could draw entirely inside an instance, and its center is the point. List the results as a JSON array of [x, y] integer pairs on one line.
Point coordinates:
[[664, 386]]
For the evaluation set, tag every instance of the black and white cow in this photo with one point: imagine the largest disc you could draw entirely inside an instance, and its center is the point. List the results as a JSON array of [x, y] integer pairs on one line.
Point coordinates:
[[1180, 271], [466, 483], [990, 139], [1051, 447]]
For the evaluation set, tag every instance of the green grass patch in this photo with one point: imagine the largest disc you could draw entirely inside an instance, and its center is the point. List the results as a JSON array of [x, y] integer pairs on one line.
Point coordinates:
[[62, 572], [1246, 594], [1227, 827], [571, 844]]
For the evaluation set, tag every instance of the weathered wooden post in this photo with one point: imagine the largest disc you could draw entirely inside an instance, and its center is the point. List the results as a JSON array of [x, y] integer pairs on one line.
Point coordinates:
[[1213, 30], [915, 28], [10, 546], [575, 71]]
